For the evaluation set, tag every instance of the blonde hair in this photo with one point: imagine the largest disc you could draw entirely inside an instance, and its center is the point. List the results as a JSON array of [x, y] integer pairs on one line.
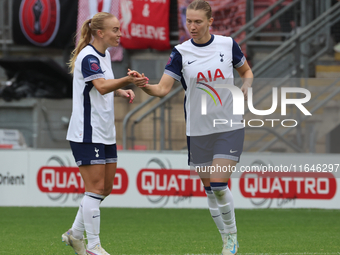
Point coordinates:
[[201, 5], [88, 29]]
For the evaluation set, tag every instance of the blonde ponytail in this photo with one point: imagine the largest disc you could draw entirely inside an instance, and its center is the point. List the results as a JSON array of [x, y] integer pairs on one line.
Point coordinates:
[[85, 39], [88, 29]]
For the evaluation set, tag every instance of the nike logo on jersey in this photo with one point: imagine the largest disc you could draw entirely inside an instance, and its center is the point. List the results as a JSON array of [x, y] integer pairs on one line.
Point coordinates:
[[96, 216], [190, 62], [231, 151]]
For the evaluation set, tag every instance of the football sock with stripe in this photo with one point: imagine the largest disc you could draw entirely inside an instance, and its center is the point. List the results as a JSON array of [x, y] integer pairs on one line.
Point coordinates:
[[91, 214], [225, 203], [214, 211], [78, 227]]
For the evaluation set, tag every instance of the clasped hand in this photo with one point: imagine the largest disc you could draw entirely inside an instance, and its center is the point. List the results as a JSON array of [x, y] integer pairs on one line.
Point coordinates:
[[141, 79]]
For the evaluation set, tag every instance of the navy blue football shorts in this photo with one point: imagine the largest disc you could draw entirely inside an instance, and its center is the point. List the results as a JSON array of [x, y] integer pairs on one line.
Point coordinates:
[[93, 153], [203, 149]]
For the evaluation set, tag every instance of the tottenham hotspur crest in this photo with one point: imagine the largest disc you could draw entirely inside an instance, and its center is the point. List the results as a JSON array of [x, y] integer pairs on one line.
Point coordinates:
[[96, 150]]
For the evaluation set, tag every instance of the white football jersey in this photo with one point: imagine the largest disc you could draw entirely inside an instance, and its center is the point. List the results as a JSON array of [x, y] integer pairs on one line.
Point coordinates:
[[201, 68], [92, 119]]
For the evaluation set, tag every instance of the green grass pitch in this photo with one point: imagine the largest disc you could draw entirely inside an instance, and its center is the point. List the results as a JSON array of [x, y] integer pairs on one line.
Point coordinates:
[[36, 230]]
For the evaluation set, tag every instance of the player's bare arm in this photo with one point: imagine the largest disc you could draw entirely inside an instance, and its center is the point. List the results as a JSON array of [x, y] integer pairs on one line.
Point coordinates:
[[159, 90], [247, 78], [129, 94], [162, 88], [107, 86]]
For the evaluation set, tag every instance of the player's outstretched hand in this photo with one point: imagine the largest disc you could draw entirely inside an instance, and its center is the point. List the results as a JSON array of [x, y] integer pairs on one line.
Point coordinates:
[[129, 94], [140, 80], [244, 89]]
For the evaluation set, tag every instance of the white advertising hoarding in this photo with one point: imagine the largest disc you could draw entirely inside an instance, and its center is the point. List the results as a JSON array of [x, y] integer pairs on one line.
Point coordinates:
[[156, 179]]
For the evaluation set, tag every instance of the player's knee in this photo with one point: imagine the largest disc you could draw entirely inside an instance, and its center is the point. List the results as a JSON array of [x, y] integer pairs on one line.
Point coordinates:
[[99, 189], [100, 192], [107, 190], [219, 189], [219, 193]]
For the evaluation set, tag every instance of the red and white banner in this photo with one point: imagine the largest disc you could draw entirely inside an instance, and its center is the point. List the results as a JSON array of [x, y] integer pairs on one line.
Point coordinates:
[[168, 183], [54, 179], [151, 179], [145, 24], [288, 185]]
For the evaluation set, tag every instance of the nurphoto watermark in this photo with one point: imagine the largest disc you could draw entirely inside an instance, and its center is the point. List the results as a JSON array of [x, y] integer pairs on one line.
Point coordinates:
[[238, 103]]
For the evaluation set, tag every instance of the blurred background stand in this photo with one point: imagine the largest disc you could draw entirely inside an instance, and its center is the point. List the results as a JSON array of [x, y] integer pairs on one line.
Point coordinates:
[[36, 100], [12, 139]]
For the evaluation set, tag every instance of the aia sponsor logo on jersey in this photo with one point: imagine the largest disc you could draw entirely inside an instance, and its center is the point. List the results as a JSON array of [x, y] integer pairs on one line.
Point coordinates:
[[288, 185], [210, 76], [39, 20], [52, 179], [202, 80]]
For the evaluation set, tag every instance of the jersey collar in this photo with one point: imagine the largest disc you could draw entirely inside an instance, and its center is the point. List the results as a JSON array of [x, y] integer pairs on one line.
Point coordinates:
[[99, 53], [204, 44]]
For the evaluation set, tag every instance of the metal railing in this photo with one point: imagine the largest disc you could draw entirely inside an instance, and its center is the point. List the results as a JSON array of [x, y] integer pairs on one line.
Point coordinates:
[[129, 116], [318, 106], [307, 35], [256, 30], [152, 110], [253, 21]]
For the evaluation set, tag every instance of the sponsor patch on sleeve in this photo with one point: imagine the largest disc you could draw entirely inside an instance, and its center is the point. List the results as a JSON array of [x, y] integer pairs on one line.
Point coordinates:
[[170, 58], [94, 65]]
